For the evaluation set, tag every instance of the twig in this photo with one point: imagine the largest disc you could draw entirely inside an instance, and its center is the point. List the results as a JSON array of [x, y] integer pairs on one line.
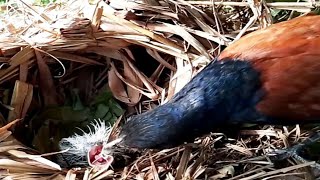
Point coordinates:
[[286, 5]]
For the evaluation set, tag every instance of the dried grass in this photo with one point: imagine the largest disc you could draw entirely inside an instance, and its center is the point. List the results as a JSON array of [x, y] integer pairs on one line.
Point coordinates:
[[183, 36]]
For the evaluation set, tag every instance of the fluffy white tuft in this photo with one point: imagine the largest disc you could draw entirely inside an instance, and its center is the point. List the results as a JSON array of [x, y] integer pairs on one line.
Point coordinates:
[[79, 145]]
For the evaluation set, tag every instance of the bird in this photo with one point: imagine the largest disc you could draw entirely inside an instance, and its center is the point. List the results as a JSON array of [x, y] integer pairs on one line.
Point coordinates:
[[269, 76]]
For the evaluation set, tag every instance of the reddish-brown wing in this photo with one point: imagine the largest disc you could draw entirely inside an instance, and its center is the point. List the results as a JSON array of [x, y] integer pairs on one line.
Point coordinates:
[[288, 56]]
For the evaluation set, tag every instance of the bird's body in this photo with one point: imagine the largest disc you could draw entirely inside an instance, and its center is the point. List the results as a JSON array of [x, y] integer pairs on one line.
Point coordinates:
[[224, 92], [269, 76], [287, 55]]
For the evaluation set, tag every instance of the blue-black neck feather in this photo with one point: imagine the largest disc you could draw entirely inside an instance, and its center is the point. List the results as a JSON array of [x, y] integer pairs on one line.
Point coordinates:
[[224, 92]]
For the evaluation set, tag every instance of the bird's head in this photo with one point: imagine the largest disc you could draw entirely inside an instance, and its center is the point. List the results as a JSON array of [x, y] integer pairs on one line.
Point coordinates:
[[150, 130], [87, 148], [155, 129]]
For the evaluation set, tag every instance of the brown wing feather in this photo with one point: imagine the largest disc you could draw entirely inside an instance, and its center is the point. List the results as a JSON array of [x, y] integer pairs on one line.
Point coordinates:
[[288, 57]]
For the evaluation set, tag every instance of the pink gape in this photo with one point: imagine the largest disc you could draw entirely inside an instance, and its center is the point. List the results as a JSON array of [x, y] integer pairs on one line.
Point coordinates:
[[97, 158]]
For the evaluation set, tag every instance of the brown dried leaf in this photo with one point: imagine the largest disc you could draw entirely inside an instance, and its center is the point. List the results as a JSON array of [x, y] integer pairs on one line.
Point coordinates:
[[153, 169], [111, 53], [41, 16], [7, 126], [152, 95], [47, 87], [9, 51], [107, 174], [96, 19], [41, 162], [157, 57], [15, 166], [156, 74], [131, 25], [224, 172], [116, 86], [165, 49], [184, 162], [23, 73], [152, 87], [152, 2], [240, 149], [195, 169], [110, 43], [128, 15], [71, 175], [21, 57], [190, 39], [5, 148], [134, 95], [3, 136], [14, 72], [182, 76], [21, 100], [74, 58], [11, 28], [114, 28]]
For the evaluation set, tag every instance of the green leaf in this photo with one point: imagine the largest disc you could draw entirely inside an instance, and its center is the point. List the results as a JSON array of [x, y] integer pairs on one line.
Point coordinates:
[[76, 101], [116, 108], [101, 111], [108, 116], [113, 119], [102, 98]]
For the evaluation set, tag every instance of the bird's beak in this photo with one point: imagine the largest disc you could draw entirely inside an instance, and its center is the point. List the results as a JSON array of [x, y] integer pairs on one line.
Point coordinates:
[[101, 155], [97, 157]]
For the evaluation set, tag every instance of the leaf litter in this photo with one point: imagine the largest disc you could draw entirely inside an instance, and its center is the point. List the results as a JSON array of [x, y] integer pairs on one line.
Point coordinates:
[[67, 63]]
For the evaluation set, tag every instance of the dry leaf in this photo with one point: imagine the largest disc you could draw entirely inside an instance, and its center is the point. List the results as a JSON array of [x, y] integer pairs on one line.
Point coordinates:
[[116, 86], [184, 162], [23, 73], [182, 76], [129, 74], [111, 53], [21, 100], [74, 58], [224, 172], [96, 19], [7, 126], [48, 89], [21, 57], [42, 162]]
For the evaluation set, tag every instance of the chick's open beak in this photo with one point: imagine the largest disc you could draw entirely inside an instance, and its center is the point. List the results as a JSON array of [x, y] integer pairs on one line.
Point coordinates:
[[97, 157]]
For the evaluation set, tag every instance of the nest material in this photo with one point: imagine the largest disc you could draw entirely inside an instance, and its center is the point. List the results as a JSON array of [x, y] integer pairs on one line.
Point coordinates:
[[46, 48]]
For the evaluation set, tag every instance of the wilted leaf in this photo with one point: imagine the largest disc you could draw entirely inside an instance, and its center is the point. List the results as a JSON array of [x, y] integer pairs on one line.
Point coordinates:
[[152, 87], [4, 135], [21, 99], [96, 19], [48, 89], [116, 86], [224, 172], [23, 72], [134, 95], [182, 76], [6, 127], [21, 57], [43, 162], [75, 58]]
